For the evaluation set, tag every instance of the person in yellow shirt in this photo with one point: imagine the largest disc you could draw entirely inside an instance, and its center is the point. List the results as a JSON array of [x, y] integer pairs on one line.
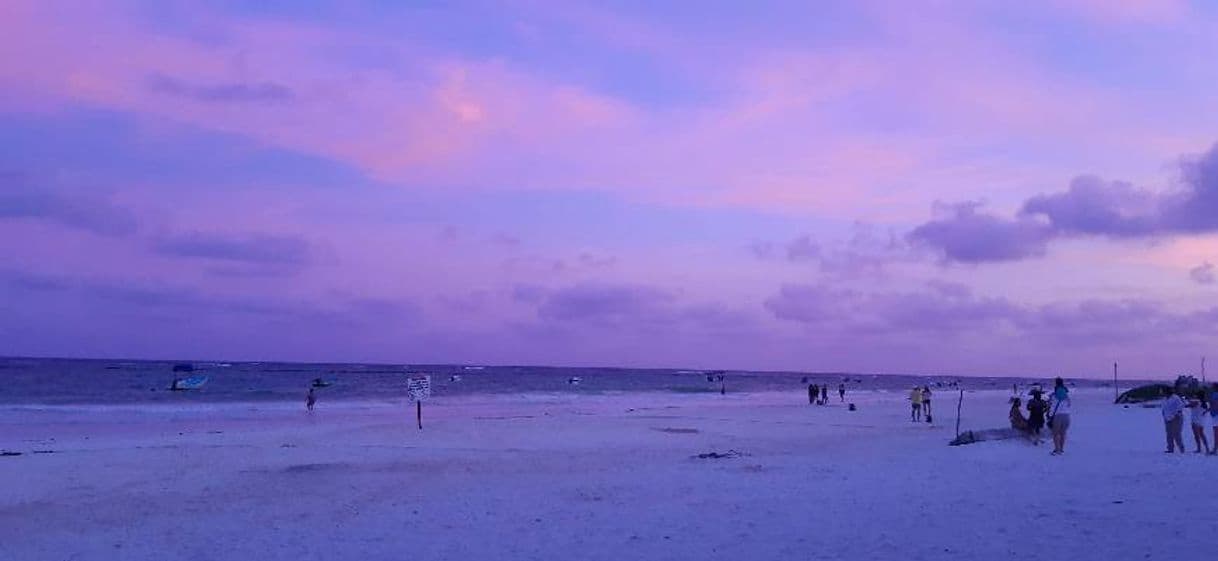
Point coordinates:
[[915, 398]]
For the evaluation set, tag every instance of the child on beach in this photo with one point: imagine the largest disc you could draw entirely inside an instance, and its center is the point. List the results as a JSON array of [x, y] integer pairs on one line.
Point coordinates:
[[1197, 415], [1036, 414], [915, 400], [1059, 416], [1173, 421], [1016, 415], [841, 392], [310, 399]]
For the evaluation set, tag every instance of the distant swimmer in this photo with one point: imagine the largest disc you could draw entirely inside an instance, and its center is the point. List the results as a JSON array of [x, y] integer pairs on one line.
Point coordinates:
[[311, 399], [841, 392]]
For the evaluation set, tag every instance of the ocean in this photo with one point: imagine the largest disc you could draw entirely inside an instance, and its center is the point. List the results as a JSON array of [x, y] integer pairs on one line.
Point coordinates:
[[74, 381]]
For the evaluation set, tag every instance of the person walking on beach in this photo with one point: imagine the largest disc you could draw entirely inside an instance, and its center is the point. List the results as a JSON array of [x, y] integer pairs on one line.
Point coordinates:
[[915, 401], [926, 402], [824, 394], [841, 392], [1059, 416], [1173, 421], [1197, 415], [310, 399], [1036, 414], [813, 391], [1214, 417]]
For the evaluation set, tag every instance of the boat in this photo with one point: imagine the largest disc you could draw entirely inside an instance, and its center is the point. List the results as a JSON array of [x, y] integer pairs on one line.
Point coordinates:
[[190, 383]]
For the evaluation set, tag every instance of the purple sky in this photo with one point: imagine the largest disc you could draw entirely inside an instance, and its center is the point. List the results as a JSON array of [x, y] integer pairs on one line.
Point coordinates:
[[984, 187]]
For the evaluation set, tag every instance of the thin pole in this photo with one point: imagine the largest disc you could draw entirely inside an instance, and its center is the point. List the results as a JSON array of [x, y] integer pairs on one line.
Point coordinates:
[[959, 404], [1202, 370], [1115, 391], [419, 412]]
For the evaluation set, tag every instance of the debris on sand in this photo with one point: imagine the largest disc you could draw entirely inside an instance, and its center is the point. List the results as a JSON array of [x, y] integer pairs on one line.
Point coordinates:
[[677, 430], [720, 455]]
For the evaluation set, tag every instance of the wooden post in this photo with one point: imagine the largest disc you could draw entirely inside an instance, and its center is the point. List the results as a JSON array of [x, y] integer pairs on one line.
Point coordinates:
[[1115, 390], [419, 412], [959, 404]]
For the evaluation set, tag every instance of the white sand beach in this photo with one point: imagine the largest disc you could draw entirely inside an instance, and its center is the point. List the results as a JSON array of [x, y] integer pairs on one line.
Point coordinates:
[[592, 478]]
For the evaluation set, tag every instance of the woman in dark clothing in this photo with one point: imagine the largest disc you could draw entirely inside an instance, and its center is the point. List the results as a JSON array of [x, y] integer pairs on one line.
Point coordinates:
[[1037, 407]]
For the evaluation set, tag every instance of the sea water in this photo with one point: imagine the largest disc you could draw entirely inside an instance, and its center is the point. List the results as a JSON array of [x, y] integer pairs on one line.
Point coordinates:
[[72, 381]]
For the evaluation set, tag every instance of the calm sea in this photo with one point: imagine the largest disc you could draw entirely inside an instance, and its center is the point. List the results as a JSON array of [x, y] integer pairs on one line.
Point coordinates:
[[65, 381]]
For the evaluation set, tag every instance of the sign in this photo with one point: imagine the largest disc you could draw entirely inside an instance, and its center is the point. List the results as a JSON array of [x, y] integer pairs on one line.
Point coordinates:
[[418, 388]]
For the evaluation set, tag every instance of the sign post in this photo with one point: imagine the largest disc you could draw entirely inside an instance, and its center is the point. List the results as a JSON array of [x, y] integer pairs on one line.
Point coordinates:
[[418, 388]]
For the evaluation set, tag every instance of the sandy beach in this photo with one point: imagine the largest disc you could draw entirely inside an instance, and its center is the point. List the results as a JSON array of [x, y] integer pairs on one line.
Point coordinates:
[[590, 477]]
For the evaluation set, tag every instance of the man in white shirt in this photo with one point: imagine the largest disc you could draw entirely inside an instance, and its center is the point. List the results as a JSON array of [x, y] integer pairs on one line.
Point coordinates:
[[1173, 421]]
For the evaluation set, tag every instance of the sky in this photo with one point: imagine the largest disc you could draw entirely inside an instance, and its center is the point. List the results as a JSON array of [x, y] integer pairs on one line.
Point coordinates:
[[985, 188]]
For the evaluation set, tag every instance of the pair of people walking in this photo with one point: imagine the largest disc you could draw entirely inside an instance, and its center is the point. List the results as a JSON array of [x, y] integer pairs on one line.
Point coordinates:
[[919, 400], [1198, 409], [818, 395]]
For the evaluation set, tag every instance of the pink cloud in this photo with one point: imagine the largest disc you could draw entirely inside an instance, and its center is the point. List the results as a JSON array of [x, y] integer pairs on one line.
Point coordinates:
[[1128, 12]]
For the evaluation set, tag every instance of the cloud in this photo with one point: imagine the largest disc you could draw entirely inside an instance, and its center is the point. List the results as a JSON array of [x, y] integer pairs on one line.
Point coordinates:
[[1089, 207], [967, 235], [605, 303], [864, 253], [256, 249], [637, 307], [21, 199], [234, 92], [939, 309], [1203, 273], [184, 303]]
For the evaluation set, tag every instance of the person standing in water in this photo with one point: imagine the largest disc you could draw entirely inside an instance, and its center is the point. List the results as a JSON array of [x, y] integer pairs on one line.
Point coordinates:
[[1059, 416], [310, 399], [1196, 417], [1173, 421], [1036, 414], [841, 392], [915, 402]]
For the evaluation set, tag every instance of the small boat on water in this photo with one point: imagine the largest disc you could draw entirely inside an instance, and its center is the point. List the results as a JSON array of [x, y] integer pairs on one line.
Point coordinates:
[[574, 380], [188, 382]]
